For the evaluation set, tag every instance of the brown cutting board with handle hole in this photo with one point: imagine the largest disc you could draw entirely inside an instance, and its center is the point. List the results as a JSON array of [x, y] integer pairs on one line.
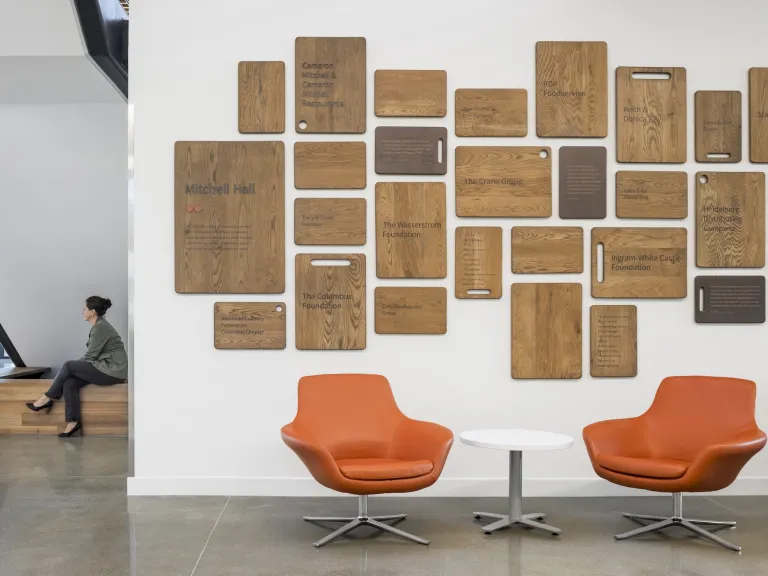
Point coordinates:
[[504, 181], [330, 301], [326, 165], [730, 219], [639, 263], [478, 262], [758, 115], [613, 341], [249, 325], [417, 93], [417, 310], [547, 249], [261, 97], [651, 115], [491, 112], [718, 125], [546, 330], [329, 221], [651, 194], [330, 85]]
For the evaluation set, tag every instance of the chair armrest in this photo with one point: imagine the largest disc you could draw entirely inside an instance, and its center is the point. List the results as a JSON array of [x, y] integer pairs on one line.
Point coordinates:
[[717, 465], [419, 440], [315, 457], [624, 437]]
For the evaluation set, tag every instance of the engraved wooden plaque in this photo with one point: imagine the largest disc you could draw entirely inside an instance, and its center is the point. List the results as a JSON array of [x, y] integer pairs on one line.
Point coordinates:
[[230, 217], [410, 93], [325, 165], [491, 112], [652, 195], [249, 325], [261, 97], [613, 341], [718, 126], [419, 310], [730, 219], [651, 115], [329, 221], [330, 302], [582, 182], [405, 150], [410, 230], [504, 181], [640, 263], [758, 115], [330, 85], [572, 89], [547, 249], [546, 330], [729, 299], [478, 262]]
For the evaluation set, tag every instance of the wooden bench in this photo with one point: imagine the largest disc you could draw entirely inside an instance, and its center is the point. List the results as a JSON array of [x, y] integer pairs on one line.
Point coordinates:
[[104, 409]]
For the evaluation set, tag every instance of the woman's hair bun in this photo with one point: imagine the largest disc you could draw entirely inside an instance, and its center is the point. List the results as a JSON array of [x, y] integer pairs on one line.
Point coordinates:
[[98, 304], [107, 303]]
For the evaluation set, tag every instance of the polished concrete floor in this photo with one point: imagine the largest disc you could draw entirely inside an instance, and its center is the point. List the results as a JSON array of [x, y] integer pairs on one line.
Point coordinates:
[[63, 512]]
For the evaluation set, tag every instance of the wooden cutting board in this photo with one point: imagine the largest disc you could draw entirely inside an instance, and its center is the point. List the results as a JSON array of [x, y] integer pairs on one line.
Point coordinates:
[[230, 217], [410, 310], [572, 89], [249, 325], [407, 150], [650, 115], [651, 195], [504, 181], [758, 115], [730, 219], [261, 97], [330, 302], [582, 182], [718, 125], [640, 263], [491, 112], [410, 230], [325, 165], [410, 93], [546, 331], [613, 341], [329, 221], [478, 262], [729, 299], [330, 85], [547, 249]]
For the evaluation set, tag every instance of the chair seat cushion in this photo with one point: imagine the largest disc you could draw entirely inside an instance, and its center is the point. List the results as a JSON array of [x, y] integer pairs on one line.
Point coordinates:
[[383, 468], [646, 467]]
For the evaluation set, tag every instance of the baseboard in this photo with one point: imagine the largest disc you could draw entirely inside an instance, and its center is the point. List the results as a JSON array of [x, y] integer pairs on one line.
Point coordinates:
[[445, 487]]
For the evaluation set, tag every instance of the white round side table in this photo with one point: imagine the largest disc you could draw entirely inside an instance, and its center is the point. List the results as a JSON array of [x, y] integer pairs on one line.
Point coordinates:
[[515, 441]]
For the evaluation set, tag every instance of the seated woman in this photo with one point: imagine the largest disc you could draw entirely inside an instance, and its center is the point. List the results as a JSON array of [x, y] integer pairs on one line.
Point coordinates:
[[104, 363]]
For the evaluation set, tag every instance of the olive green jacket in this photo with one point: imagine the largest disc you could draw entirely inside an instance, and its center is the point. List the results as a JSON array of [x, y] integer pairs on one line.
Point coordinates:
[[105, 350]]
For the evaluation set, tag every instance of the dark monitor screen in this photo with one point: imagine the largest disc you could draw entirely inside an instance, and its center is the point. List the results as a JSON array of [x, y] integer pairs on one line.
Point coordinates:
[[10, 349]]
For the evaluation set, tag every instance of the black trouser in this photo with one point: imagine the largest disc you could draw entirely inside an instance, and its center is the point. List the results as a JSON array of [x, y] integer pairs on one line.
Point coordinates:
[[74, 375]]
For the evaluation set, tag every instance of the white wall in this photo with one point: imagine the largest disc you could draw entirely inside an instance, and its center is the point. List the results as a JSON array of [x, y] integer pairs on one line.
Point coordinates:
[[63, 224], [208, 421]]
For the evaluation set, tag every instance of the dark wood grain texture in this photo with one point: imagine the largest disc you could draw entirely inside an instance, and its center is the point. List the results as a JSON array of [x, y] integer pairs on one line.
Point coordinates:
[[230, 217], [582, 182], [15, 372], [547, 249], [329, 221], [492, 112], [478, 262], [758, 115], [261, 97], [329, 165], [417, 93], [613, 341], [546, 331], [249, 325], [412, 310], [411, 150], [661, 195], [717, 126]]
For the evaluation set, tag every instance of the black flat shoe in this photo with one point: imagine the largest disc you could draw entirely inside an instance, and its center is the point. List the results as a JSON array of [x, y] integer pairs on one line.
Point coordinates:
[[34, 408], [78, 428]]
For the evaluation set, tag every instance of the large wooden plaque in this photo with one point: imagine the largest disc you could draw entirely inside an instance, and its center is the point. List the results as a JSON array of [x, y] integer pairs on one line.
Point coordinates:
[[249, 325], [419, 310], [261, 97], [582, 182], [729, 299], [330, 85], [651, 115], [730, 219], [329, 221], [330, 302], [504, 181], [640, 263], [651, 195], [410, 93], [613, 341], [478, 262], [230, 217], [758, 115], [718, 125], [325, 165], [547, 249], [546, 331], [491, 112], [411, 150], [572, 89], [410, 230]]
